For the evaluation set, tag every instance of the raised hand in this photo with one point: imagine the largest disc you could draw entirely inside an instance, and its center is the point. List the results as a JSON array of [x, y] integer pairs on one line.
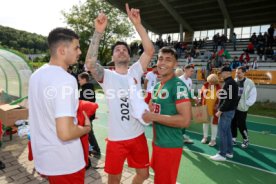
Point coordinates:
[[100, 22], [133, 15]]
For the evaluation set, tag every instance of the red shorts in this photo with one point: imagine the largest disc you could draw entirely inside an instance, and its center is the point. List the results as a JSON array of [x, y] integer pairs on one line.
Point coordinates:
[[76, 178], [134, 150], [148, 97], [165, 163]]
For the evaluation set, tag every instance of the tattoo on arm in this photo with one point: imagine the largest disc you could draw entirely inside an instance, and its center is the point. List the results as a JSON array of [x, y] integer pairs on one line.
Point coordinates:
[[98, 72], [91, 57]]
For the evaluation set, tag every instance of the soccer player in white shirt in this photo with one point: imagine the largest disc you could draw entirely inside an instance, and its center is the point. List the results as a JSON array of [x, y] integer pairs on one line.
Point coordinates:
[[186, 78], [126, 139], [53, 104], [150, 81]]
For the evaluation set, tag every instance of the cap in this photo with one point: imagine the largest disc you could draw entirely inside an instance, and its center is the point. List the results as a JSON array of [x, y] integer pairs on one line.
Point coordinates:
[[226, 69]]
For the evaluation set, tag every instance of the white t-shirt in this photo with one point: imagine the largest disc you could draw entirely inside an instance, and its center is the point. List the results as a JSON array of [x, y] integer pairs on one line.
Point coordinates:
[[52, 94], [151, 77], [187, 81], [121, 125]]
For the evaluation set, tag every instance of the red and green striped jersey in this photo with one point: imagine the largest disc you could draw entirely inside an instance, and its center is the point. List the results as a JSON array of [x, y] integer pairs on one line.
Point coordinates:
[[164, 99]]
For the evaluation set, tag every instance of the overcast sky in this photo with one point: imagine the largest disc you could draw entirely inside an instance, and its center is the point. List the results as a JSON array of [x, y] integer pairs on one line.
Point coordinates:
[[35, 16]]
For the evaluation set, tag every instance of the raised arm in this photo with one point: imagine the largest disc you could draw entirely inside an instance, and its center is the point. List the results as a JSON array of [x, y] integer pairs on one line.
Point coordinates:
[[134, 16], [92, 54]]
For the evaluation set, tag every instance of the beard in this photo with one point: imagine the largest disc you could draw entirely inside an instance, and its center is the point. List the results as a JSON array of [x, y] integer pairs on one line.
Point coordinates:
[[122, 63]]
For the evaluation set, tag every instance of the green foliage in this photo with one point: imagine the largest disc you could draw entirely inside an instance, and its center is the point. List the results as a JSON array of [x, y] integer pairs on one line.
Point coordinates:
[[81, 19], [25, 42]]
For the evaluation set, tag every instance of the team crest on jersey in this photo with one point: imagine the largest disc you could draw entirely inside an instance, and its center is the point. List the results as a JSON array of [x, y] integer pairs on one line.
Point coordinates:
[[163, 94]]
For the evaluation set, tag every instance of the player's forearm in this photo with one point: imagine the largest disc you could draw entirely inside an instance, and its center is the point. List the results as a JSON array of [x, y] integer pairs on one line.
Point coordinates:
[[146, 42], [92, 55], [177, 121], [78, 131], [71, 131]]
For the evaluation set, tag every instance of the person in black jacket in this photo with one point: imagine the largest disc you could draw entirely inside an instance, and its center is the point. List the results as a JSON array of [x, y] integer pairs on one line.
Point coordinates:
[[226, 111], [87, 93]]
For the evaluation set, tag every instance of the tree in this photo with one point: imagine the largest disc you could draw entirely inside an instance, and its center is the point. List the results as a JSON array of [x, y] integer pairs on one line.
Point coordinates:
[[81, 19], [28, 43]]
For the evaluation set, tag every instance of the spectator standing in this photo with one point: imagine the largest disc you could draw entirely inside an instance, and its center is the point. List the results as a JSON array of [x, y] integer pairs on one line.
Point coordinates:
[[87, 93], [225, 113], [234, 41], [209, 98], [247, 95]]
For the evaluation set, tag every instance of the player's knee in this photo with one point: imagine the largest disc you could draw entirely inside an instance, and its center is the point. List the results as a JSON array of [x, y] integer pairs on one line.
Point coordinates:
[[143, 175], [114, 179]]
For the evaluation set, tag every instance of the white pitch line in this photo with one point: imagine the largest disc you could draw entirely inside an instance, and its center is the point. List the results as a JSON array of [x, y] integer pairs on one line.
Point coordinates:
[[150, 140], [237, 141]]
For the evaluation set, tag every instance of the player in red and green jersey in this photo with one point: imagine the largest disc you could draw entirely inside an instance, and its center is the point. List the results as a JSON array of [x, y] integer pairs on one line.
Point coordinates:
[[171, 111]]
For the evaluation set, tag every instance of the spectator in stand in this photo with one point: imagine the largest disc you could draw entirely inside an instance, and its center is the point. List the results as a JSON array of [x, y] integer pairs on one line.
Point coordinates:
[[271, 36], [223, 40], [189, 59], [254, 64], [234, 41], [195, 44], [169, 39], [215, 42], [200, 43], [261, 46], [197, 52], [235, 63], [250, 48], [266, 39], [244, 57], [209, 66], [253, 40]]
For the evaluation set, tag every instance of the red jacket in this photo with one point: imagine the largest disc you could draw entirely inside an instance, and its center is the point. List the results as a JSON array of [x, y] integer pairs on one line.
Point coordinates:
[[90, 109], [247, 58]]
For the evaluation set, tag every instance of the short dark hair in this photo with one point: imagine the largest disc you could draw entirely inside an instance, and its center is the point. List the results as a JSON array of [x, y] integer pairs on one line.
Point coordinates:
[[60, 35], [242, 68], [170, 50], [189, 66], [120, 43], [84, 75]]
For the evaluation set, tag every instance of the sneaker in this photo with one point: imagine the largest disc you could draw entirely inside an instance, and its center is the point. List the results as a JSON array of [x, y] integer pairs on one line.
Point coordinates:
[[204, 140], [212, 143], [245, 143], [229, 155], [218, 157], [234, 143], [187, 140]]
